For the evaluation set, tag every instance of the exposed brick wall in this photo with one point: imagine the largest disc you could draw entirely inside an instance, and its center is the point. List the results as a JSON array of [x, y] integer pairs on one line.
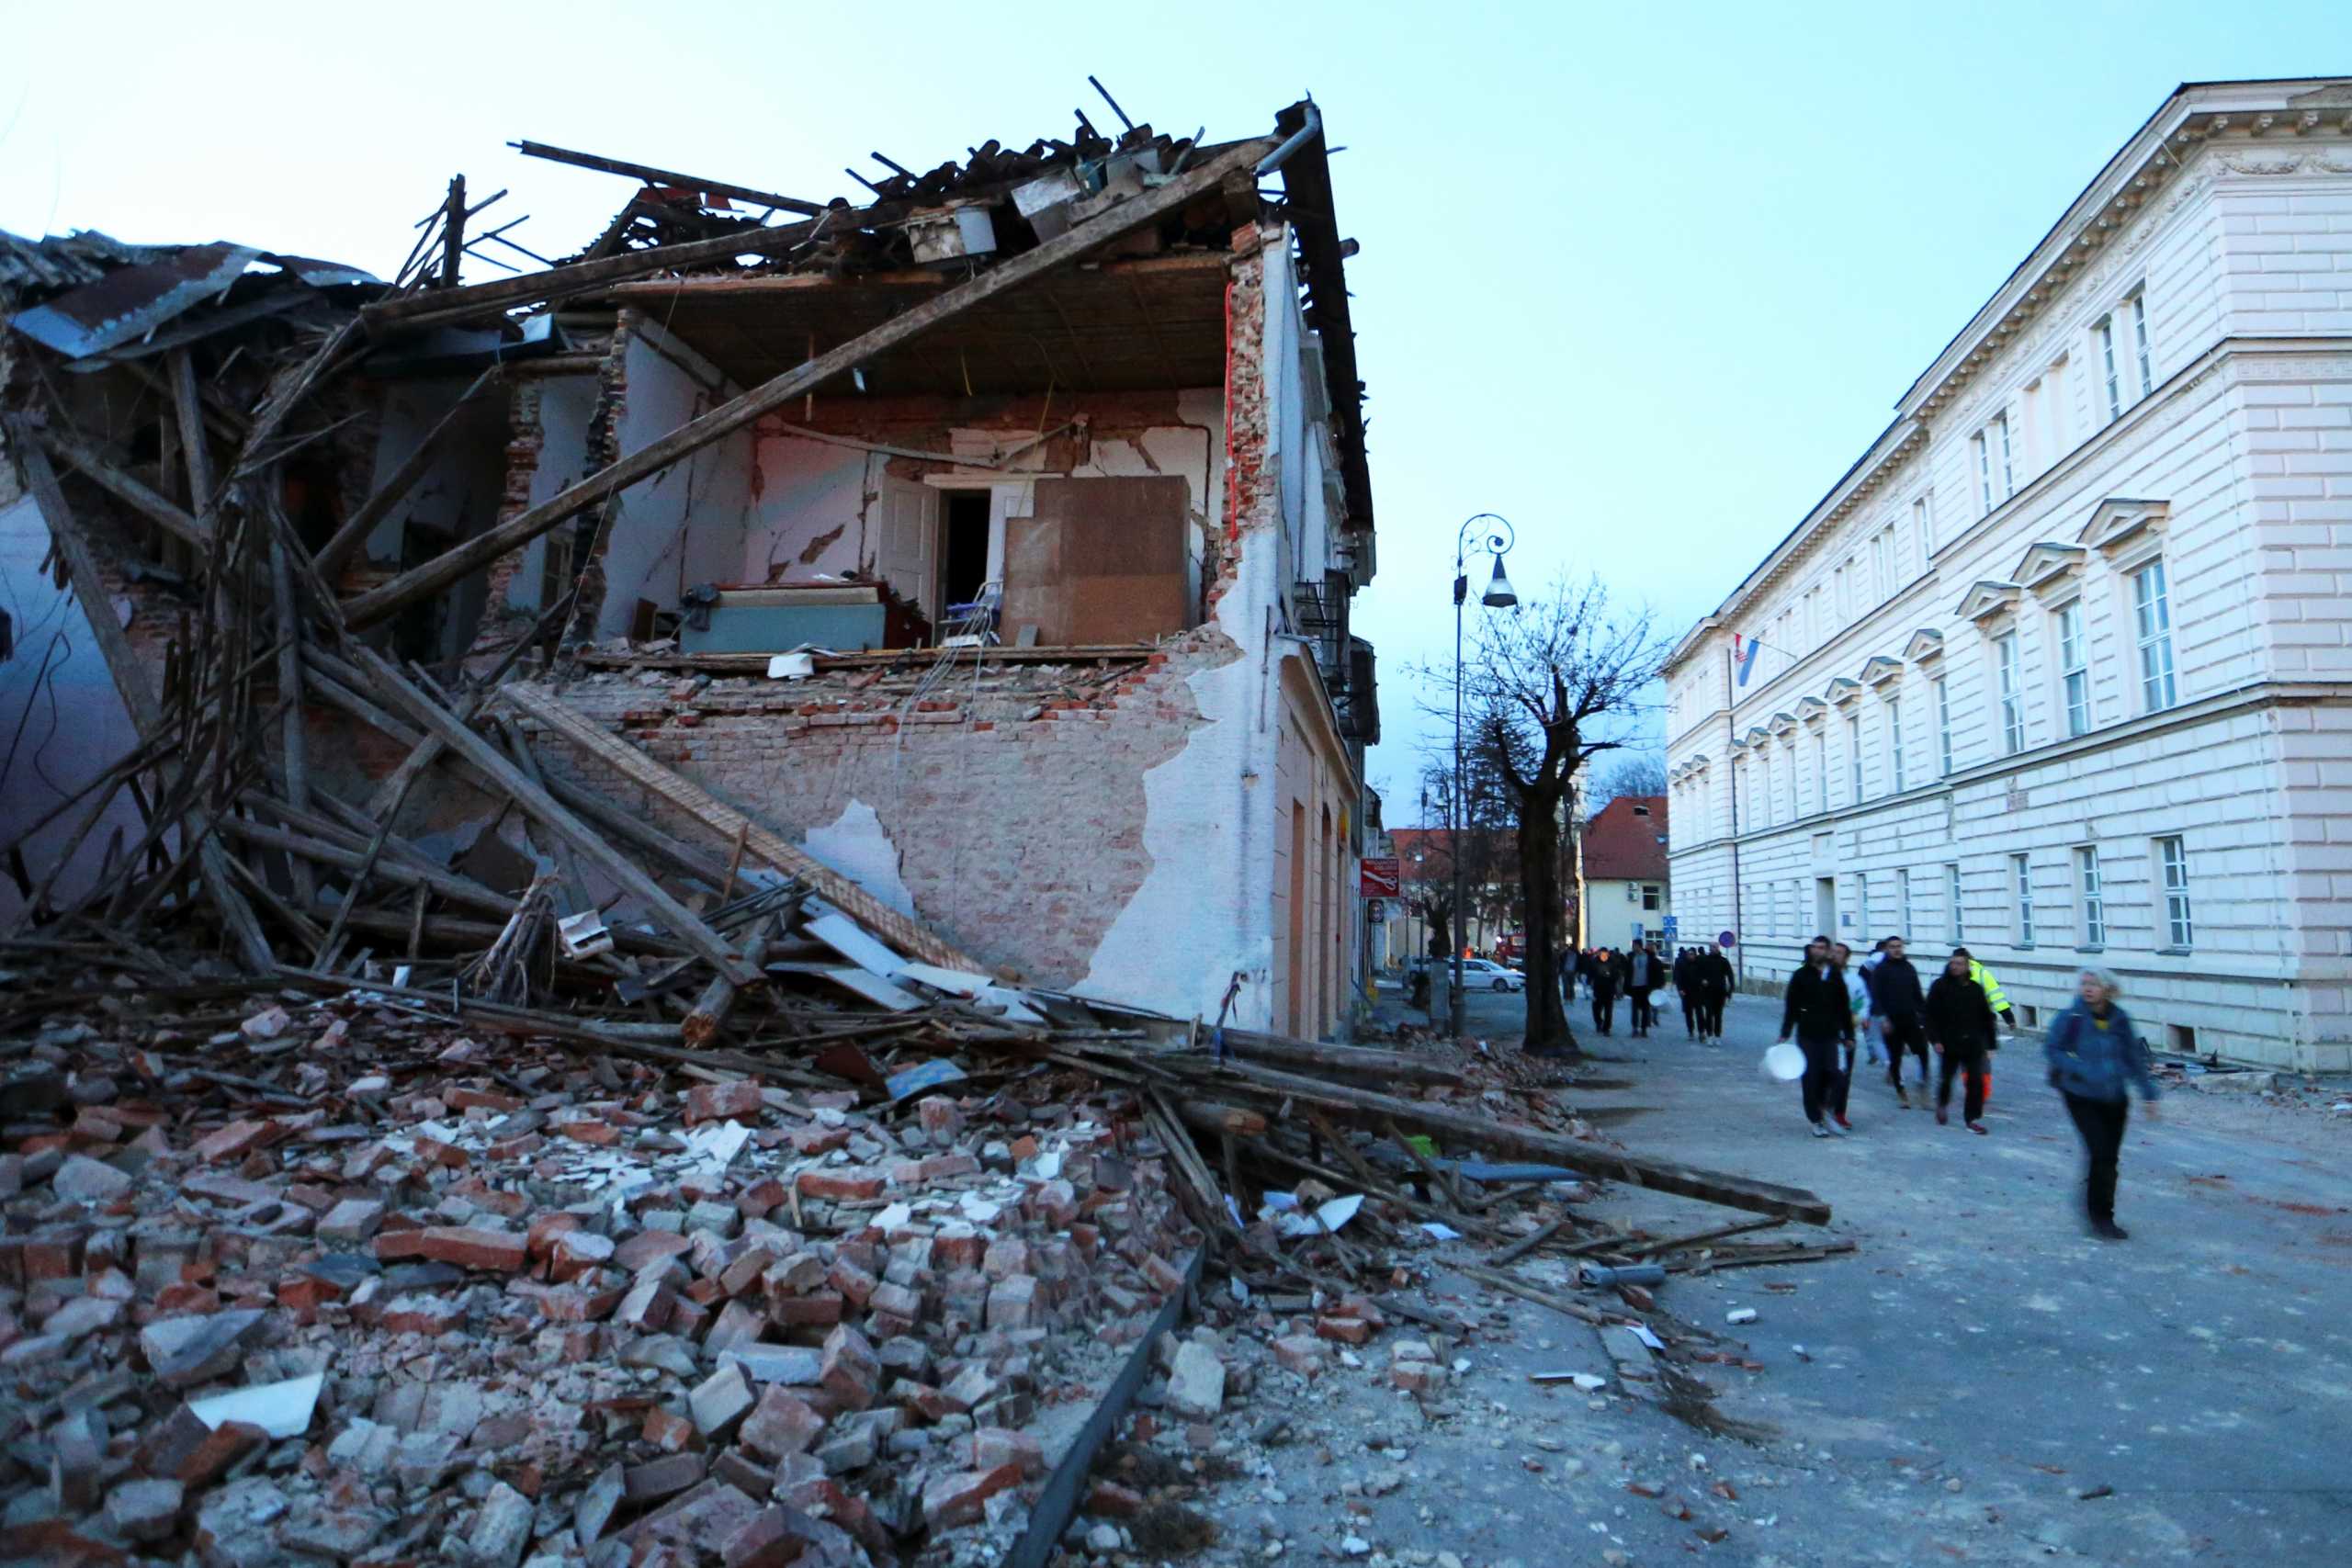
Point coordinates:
[[525, 436], [1250, 503], [1016, 806]]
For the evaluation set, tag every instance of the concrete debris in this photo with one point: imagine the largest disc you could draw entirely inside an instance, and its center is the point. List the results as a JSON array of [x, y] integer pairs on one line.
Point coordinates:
[[531, 1345]]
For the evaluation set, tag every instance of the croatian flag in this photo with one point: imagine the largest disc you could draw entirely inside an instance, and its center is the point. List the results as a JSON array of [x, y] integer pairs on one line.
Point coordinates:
[[1743, 655]]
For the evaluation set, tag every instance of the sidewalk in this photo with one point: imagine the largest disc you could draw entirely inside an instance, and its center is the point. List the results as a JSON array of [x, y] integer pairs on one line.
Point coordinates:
[[1949, 1394], [1983, 1359]]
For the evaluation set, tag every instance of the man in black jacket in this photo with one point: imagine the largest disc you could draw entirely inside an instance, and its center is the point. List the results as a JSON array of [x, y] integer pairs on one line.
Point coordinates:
[[1817, 1011], [1715, 982], [1605, 981], [1644, 976], [1685, 989], [1898, 1009]]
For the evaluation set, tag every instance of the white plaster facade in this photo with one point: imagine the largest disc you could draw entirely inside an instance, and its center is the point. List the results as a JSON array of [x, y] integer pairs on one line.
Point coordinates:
[[1966, 720]]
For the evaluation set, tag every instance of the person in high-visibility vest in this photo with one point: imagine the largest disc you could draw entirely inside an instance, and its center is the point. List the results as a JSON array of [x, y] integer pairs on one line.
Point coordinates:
[[1994, 995], [1998, 1001]]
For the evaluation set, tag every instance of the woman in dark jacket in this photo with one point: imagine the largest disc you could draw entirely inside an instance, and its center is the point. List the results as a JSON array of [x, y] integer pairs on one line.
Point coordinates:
[[1959, 1024], [2096, 1056]]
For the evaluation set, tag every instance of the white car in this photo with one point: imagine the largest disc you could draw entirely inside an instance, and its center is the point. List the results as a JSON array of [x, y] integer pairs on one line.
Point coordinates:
[[1482, 973]]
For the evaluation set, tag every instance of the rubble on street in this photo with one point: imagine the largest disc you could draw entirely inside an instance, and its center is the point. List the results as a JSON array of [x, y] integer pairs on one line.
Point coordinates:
[[444, 1120], [342, 1276]]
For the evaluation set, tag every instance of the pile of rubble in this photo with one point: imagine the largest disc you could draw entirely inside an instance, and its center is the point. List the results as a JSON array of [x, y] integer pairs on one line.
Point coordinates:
[[453, 1303], [660, 1194]]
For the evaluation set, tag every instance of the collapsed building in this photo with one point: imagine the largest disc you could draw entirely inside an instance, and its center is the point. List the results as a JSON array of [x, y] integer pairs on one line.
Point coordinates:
[[992, 542], [647, 895]]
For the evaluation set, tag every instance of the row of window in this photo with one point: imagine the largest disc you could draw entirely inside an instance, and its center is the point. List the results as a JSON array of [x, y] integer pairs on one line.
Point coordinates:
[[2157, 685], [1994, 450], [2172, 919], [1853, 588], [2011, 447], [2151, 646]]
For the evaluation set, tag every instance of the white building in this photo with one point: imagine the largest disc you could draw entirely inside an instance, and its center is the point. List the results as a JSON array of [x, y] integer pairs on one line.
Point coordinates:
[[2061, 668]]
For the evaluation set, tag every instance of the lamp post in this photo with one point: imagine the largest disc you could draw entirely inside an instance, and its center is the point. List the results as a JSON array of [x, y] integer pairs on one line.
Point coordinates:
[[1496, 542]]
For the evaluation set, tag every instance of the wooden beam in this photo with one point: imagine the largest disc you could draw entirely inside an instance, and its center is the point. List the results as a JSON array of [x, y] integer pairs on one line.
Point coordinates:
[[886, 923], [547, 810], [1457, 1129], [92, 464], [293, 739], [432, 306], [709, 1015], [89, 586], [654, 177], [370, 512], [740, 412], [187, 406]]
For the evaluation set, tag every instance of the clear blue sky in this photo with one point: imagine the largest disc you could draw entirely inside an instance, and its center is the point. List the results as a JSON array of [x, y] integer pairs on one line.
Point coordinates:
[[1644, 279]]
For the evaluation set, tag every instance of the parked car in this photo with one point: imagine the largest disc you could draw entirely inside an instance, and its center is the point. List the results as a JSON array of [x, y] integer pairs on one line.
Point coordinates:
[[1488, 975]]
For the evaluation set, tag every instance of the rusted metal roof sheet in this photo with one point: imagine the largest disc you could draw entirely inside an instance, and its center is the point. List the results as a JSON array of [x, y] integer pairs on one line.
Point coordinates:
[[65, 261], [130, 301], [321, 273]]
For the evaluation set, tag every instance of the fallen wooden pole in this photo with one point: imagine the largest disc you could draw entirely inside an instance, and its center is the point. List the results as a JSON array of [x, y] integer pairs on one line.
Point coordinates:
[[372, 511], [545, 810], [884, 923], [1456, 1128], [654, 177], [430, 306], [1501, 1281], [709, 1015], [1211, 1117], [1040, 1542], [1526, 1245], [1677, 1243]]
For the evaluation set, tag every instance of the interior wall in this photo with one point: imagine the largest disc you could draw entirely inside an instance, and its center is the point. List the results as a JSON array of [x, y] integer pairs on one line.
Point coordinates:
[[62, 723], [652, 552], [557, 412], [820, 508]]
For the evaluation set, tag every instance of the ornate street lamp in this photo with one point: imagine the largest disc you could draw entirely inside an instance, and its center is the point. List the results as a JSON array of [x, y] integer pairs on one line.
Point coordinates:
[[1496, 542]]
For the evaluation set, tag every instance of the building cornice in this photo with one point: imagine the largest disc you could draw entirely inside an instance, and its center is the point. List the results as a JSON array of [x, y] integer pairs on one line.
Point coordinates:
[[2246, 122], [2250, 129]]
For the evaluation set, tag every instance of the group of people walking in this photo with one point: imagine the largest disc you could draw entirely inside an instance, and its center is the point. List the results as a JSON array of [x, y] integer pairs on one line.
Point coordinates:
[[1701, 978], [2094, 1055]]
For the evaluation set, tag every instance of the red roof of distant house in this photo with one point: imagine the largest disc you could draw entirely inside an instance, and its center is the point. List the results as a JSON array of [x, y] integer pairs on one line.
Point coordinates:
[[1627, 841]]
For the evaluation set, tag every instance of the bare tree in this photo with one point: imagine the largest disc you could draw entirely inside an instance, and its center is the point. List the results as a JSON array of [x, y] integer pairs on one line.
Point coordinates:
[[1477, 835], [1635, 774], [1552, 686]]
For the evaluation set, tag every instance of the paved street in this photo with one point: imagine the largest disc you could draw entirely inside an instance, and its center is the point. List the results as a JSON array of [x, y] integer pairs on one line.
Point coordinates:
[[2203, 1368], [1975, 1365]]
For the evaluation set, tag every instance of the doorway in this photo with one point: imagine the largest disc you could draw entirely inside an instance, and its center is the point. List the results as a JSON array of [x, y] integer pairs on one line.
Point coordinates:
[[963, 549]]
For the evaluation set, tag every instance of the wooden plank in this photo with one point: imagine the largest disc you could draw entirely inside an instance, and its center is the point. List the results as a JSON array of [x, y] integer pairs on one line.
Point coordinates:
[[915, 659], [89, 586], [293, 740], [93, 467], [398, 870], [1463, 1130], [709, 1015], [187, 407], [878, 919], [652, 175], [1680, 1243], [546, 810], [428, 306], [740, 412]]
